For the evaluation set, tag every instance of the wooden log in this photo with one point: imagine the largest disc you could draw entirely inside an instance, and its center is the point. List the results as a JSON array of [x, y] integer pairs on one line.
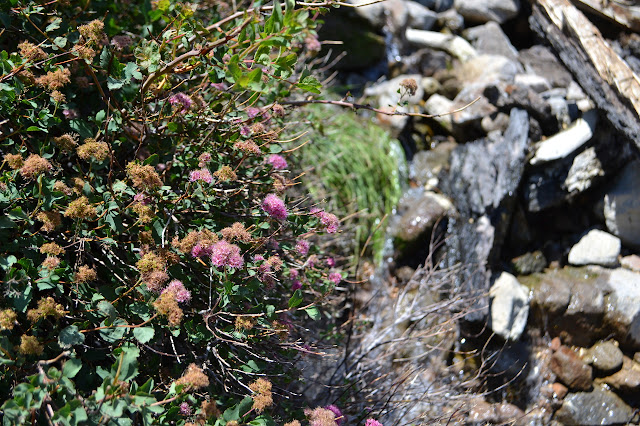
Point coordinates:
[[627, 15], [603, 75]]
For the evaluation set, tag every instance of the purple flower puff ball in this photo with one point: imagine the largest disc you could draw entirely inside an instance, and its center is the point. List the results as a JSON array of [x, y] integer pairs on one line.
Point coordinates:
[[274, 207]]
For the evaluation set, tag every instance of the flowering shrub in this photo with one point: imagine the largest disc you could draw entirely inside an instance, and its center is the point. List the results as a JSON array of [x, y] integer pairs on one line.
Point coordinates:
[[155, 265]]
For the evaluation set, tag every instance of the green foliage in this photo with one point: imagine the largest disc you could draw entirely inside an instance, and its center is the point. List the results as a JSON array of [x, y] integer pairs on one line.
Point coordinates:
[[356, 166], [147, 275]]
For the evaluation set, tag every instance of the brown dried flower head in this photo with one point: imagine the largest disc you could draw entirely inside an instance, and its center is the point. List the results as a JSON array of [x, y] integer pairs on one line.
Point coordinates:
[[225, 173], [262, 397], [155, 280], [15, 161], [204, 238], [66, 142], [52, 249], [193, 378], [247, 147], [50, 220], [31, 52], [47, 307], [51, 263], [236, 231], [92, 150], [143, 177], [292, 423], [58, 96], [320, 417], [34, 166], [85, 274], [145, 213], [210, 409], [93, 31], [7, 319], [80, 209], [151, 262], [410, 85], [54, 80], [61, 187], [244, 323], [29, 345]]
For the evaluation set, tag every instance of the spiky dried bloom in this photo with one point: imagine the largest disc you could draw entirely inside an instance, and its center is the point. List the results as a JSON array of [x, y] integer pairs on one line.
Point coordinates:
[[262, 397], [29, 345], [292, 423], [52, 249], [15, 161], [51, 263], [93, 31], [58, 96], [193, 378], [66, 142], [320, 417], [204, 239], [47, 307], [93, 150], [203, 159], [275, 262], [145, 237], [225, 173], [155, 280], [244, 323], [145, 213], [232, 423], [274, 207], [7, 319], [54, 80], [179, 292], [247, 147], [410, 85], [143, 177], [167, 305], [236, 231], [26, 76], [31, 52], [33, 166], [210, 409], [85, 52], [78, 185], [151, 262], [85, 274], [80, 209], [281, 330], [61, 187], [278, 110], [225, 254]]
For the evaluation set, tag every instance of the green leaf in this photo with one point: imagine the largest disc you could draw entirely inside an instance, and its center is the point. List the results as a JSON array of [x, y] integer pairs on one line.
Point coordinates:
[[54, 25], [107, 309], [70, 336], [310, 84], [313, 313], [143, 334], [127, 361], [114, 84], [61, 42], [71, 367], [152, 160], [6, 223], [296, 299], [131, 70]]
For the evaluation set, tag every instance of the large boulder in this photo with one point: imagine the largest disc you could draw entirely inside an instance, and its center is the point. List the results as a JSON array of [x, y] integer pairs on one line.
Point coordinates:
[[599, 407], [622, 205], [596, 248]]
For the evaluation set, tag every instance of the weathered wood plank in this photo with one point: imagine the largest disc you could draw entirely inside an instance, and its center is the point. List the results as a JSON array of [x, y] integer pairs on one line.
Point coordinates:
[[627, 15]]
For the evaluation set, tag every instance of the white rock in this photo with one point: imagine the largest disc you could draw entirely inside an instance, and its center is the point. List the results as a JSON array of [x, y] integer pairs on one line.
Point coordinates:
[[454, 45], [487, 10], [596, 248], [487, 69], [438, 104], [537, 83], [509, 306], [624, 301], [584, 169], [564, 143], [622, 205]]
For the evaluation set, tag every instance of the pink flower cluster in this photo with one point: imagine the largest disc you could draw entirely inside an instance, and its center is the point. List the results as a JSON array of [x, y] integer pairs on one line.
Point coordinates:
[[182, 101], [252, 112], [185, 409], [302, 247], [200, 250], [142, 198], [202, 174], [181, 294], [328, 220], [277, 161], [372, 422], [335, 277], [275, 207], [226, 254]]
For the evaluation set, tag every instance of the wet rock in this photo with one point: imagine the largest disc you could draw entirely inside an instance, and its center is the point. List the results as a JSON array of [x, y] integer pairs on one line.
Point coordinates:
[[631, 262], [564, 143], [419, 16], [560, 390], [489, 38], [622, 205], [397, 15], [623, 306], [487, 10], [627, 379], [570, 369], [529, 263], [540, 60], [509, 307], [506, 95], [427, 165], [604, 356], [596, 248], [418, 211], [599, 407]]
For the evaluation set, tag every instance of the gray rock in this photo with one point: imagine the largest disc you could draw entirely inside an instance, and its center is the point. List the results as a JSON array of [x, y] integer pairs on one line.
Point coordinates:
[[570, 369], [628, 378], [454, 45], [427, 165], [596, 248], [437, 105], [566, 142], [540, 60], [537, 83], [585, 169], [631, 262], [487, 10], [605, 356], [490, 39], [418, 211], [622, 205], [485, 69], [623, 313], [451, 20], [599, 407], [529, 263], [509, 307], [419, 17]]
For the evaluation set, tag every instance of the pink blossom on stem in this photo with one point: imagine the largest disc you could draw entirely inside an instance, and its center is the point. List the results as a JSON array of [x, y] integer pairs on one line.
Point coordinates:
[[181, 294], [302, 247], [293, 273], [277, 161], [335, 277], [331, 262], [245, 131], [296, 285], [252, 112], [185, 410], [202, 174], [225, 254], [275, 207], [182, 101], [201, 251], [219, 86], [372, 422]]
